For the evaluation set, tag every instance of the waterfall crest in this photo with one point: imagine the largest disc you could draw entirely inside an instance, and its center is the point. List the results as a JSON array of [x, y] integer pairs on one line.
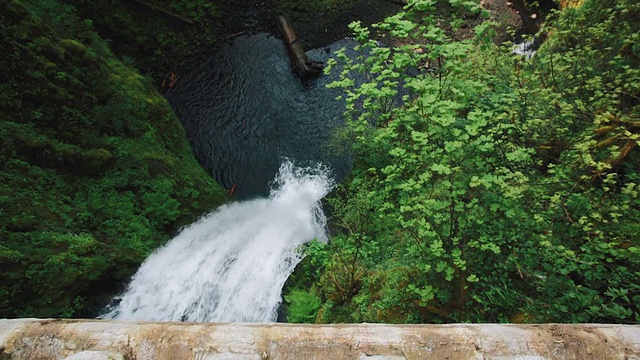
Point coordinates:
[[231, 265]]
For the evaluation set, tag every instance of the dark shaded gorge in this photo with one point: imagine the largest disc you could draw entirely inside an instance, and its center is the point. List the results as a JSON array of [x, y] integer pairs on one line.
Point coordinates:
[[245, 111]]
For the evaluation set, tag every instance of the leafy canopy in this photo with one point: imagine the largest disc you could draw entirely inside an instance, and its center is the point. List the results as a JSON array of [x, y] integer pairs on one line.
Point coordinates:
[[488, 187]]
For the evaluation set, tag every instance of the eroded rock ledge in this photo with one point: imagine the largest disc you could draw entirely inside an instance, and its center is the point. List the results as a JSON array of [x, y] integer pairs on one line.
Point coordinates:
[[92, 339]]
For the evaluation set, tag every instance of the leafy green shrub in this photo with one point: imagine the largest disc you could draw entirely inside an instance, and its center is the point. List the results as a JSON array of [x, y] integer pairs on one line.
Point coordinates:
[[505, 188], [302, 307]]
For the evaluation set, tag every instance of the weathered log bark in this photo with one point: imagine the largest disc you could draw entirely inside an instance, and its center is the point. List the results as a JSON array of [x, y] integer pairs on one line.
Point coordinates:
[[305, 67], [75, 339]]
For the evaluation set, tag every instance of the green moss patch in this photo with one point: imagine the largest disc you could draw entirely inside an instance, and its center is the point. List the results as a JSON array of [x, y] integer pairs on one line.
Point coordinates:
[[95, 168]]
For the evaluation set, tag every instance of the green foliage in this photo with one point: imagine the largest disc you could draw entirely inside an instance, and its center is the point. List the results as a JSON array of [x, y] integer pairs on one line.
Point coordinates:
[[501, 189], [302, 307], [95, 169]]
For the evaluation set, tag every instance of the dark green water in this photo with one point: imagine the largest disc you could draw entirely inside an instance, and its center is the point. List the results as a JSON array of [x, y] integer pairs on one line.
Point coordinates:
[[245, 112]]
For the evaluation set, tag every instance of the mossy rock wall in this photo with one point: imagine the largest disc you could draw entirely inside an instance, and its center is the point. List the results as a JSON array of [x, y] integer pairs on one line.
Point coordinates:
[[95, 168]]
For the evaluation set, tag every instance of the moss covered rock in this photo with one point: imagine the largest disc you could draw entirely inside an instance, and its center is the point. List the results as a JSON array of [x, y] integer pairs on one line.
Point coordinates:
[[95, 168]]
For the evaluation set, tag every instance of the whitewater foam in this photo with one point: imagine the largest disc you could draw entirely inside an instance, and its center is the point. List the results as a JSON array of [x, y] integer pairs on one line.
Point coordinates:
[[231, 265]]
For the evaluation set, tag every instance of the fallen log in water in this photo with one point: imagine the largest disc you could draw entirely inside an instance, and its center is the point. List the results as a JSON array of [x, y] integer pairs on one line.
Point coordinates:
[[305, 67]]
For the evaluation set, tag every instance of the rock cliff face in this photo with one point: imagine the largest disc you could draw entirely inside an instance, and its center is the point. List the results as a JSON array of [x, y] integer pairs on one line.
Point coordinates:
[[90, 339]]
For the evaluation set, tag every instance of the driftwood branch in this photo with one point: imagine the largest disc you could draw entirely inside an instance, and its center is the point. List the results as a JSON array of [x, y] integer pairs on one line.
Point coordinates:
[[305, 67], [233, 36], [165, 11]]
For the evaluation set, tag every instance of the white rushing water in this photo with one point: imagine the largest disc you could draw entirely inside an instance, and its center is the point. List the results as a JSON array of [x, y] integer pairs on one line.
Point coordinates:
[[525, 48], [231, 265]]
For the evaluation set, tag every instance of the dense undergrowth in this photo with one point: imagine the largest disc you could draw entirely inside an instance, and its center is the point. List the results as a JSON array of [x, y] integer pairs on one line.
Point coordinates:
[[95, 168], [502, 189]]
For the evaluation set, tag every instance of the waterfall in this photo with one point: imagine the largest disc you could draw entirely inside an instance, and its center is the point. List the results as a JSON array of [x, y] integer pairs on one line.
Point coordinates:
[[231, 265]]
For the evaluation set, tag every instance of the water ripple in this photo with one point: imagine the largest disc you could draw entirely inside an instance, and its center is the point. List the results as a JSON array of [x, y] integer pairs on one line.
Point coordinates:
[[244, 111]]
